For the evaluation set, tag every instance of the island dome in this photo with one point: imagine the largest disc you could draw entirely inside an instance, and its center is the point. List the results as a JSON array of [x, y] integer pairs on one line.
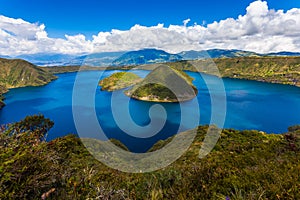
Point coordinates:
[[164, 84]]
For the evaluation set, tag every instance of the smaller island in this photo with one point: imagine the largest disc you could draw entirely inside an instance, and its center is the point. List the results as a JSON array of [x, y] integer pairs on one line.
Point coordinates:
[[164, 84], [119, 80]]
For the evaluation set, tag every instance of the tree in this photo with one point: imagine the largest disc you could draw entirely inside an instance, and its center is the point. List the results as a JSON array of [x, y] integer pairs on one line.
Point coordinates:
[[37, 126]]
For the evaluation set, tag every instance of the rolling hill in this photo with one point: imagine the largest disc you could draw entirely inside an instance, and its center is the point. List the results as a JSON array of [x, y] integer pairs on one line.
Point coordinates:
[[164, 84], [119, 81], [20, 73]]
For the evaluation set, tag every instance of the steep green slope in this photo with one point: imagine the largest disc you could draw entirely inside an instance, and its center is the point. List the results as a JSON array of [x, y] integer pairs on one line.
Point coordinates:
[[242, 165], [119, 81], [285, 70], [164, 84], [19, 73], [2, 91]]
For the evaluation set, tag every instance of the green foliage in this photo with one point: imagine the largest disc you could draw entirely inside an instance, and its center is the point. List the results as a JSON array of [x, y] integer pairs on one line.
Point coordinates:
[[164, 84], [154, 91], [19, 73], [294, 128], [2, 91], [35, 125], [22, 156], [243, 165], [284, 70], [119, 81]]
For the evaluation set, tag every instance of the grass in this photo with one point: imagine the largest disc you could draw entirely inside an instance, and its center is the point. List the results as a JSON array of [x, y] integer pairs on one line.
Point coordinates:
[[119, 80], [19, 73], [243, 165], [164, 84], [283, 70]]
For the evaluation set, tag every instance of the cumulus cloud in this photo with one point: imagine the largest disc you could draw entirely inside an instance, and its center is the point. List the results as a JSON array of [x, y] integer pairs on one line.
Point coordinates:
[[261, 30], [185, 22]]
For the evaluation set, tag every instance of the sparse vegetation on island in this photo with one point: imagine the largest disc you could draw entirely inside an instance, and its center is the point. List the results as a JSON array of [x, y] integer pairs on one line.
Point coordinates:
[[119, 80], [242, 165]]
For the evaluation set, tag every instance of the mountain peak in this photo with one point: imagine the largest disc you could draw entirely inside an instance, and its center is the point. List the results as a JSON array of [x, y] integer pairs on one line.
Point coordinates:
[[145, 56]]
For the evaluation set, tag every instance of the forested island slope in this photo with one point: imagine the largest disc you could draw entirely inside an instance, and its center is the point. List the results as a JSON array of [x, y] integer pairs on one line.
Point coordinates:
[[164, 84], [119, 80]]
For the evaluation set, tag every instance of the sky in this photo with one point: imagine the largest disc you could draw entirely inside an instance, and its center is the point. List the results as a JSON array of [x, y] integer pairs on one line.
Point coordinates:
[[77, 27]]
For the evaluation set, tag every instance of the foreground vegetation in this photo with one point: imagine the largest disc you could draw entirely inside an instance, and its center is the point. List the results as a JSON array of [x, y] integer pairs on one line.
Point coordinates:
[[243, 165]]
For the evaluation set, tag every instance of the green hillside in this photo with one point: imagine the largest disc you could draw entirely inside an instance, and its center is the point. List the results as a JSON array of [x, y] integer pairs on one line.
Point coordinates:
[[242, 165], [119, 81], [19, 73], [164, 84], [2, 91], [283, 70]]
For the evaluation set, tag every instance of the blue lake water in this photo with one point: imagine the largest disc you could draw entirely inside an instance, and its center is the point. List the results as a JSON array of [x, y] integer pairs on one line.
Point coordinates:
[[250, 105]]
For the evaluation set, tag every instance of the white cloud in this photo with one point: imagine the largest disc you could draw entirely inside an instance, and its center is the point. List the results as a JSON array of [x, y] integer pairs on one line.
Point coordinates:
[[260, 29], [185, 22]]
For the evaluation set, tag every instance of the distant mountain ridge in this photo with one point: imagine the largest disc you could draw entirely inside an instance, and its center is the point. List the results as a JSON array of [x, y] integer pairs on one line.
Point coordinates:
[[95, 59], [146, 56], [233, 53], [143, 56], [215, 53]]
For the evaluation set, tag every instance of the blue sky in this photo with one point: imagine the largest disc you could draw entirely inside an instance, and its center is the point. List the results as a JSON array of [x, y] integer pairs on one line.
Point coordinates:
[[80, 27], [88, 17]]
